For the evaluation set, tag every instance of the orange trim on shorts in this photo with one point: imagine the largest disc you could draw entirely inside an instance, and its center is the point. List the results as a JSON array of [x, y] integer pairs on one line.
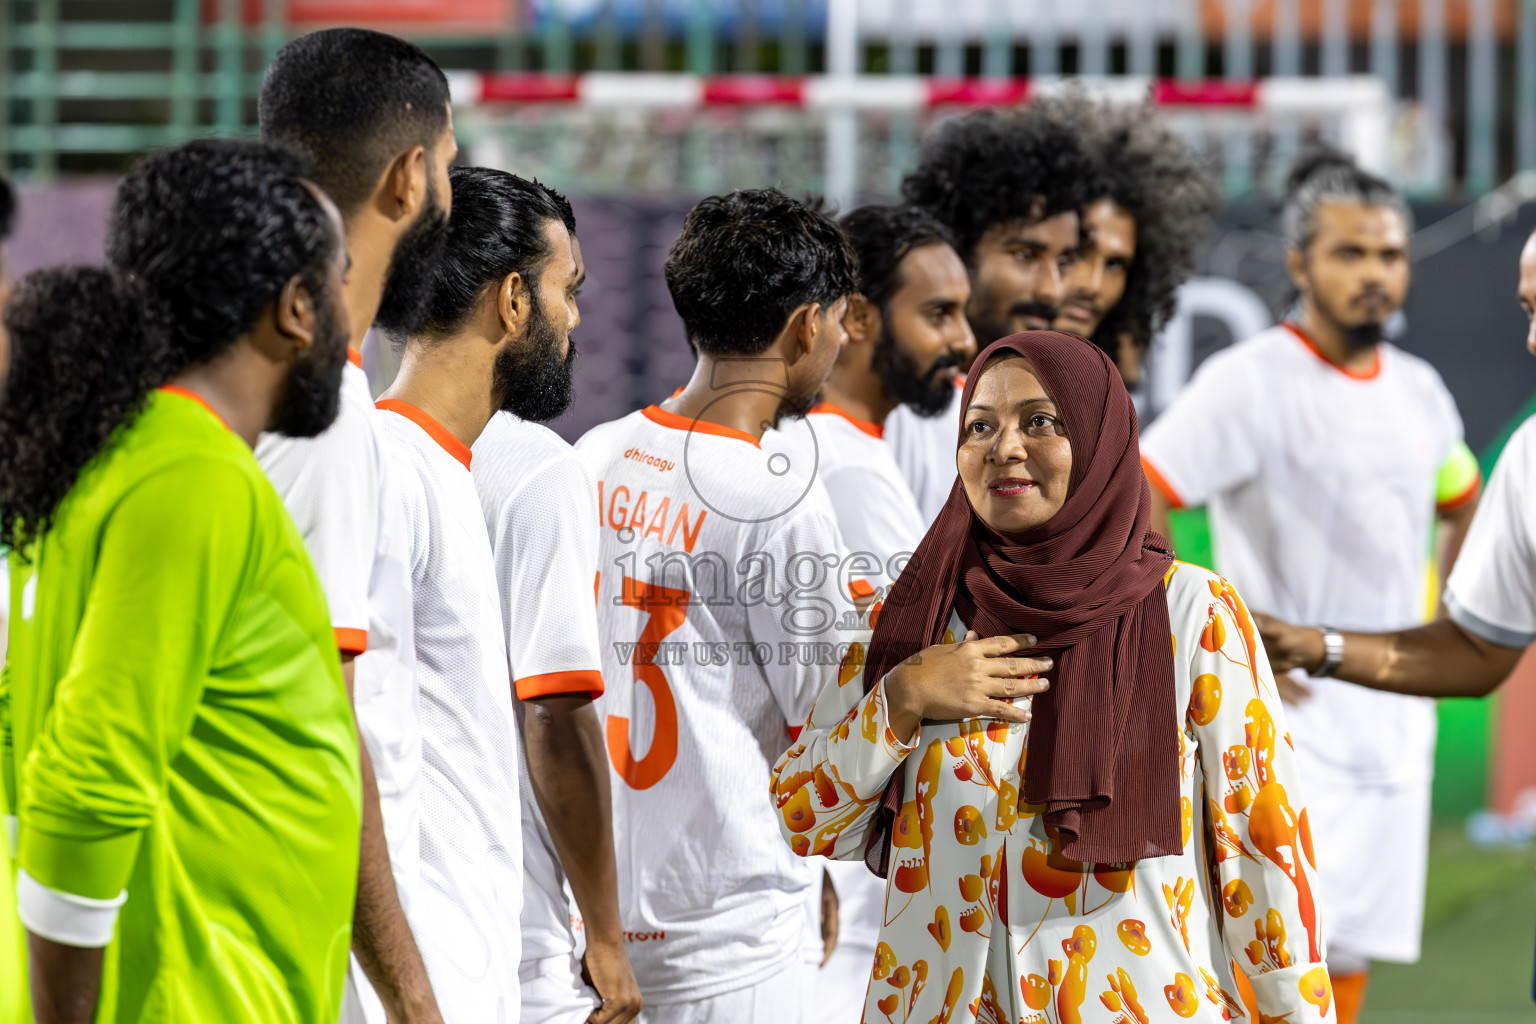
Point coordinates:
[[351, 641], [659, 416], [1161, 484], [827, 408], [173, 389], [557, 684], [1346, 371], [439, 433]]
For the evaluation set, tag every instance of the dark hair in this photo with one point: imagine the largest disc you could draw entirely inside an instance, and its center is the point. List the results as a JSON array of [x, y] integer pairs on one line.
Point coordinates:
[[881, 237], [203, 238], [216, 228], [87, 347], [349, 100], [1325, 175], [7, 208], [747, 260], [497, 228], [1154, 175], [996, 166]]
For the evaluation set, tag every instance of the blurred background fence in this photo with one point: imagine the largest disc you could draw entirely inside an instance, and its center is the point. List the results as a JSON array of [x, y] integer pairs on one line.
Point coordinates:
[[84, 84]]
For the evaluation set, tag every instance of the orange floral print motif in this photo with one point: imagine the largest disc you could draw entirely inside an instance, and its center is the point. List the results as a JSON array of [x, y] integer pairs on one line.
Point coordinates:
[[1317, 989], [985, 1009], [1268, 947], [1050, 874], [1275, 830], [940, 929], [1234, 762], [1236, 897], [913, 829], [1181, 995], [1228, 1006], [1121, 997], [1036, 990], [1074, 980], [1180, 898], [1227, 595], [969, 828], [1259, 731], [852, 664], [798, 813], [1205, 698], [1133, 936], [1186, 819], [951, 997]]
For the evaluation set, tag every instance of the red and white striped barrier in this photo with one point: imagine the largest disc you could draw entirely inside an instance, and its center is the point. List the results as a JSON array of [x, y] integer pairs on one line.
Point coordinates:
[[907, 92]]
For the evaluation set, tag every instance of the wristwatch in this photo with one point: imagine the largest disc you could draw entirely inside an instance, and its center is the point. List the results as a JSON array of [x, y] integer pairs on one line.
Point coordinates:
[[1333, 652]]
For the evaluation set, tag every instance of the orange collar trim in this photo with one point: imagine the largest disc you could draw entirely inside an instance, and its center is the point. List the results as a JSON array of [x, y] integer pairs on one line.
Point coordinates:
[[1311, 345], [656, 414], [439, 433], [354, 357], [872, 429], [172, 389]]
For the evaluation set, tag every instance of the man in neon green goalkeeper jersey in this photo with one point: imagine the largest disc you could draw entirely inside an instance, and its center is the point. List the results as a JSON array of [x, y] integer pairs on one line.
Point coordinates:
[[13, 964], [183, 760]]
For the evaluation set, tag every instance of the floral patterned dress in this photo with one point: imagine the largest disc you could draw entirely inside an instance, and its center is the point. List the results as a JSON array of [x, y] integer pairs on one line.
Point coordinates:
[[985, 921]]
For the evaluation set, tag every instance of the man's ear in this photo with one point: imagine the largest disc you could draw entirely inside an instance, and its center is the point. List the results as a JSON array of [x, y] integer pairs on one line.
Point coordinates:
[[801, 332], [294, 316], [1296, 267], [513, 304], [862, 321], [405, 184]]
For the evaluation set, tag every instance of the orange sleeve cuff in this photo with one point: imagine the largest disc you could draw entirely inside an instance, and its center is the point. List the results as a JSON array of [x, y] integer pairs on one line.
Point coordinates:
[[1161, 485], [351, 641], [557, 684], [794, 732], [1472, 491]]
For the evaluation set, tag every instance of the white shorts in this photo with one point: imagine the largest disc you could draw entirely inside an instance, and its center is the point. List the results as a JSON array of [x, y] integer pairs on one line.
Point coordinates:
[[784, 998], [553, 992], [1372, 845], [843, 982]]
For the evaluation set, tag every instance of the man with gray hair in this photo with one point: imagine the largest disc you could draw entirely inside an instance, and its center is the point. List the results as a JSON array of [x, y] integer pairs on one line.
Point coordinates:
[[1325, 455]]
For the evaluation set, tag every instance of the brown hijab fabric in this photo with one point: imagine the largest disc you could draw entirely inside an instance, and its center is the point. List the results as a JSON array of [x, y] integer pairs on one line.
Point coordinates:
[[1103, 757]]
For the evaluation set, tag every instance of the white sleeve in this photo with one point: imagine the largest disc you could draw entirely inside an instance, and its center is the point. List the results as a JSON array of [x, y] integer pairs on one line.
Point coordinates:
[[546, 566], [330, 485], [806, 552], [1207, 441], [875, 516], [1492, 589]]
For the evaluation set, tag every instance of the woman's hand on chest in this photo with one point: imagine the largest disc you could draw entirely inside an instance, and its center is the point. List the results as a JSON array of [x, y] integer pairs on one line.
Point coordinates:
[[973, 678]]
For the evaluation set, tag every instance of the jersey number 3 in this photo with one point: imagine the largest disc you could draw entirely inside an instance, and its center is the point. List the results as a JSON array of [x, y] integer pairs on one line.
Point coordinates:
[[664, 609]]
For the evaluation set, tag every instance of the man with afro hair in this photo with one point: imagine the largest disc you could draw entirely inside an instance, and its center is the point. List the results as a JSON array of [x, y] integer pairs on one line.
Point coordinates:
[[1149, 207], [1009, 186]]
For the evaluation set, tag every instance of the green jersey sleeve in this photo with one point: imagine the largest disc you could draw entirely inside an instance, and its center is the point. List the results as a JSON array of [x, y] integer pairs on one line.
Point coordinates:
[[169, 564]]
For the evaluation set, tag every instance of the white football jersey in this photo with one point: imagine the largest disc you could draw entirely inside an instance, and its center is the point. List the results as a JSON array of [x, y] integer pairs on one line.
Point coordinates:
[[1492, 590], [537, 496], [342, 494], [924, 448], [720, 615], [1321, 490], [466, 912]]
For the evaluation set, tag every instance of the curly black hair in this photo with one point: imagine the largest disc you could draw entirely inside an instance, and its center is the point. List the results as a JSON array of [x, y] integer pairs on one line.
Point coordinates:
[[203, 238], [88, 344], [1156, 177], [997, 166], [7, 208], [747, 260]]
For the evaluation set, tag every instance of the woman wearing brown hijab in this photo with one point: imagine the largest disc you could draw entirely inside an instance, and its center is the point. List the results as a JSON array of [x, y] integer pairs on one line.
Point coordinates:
[[1122, 840]]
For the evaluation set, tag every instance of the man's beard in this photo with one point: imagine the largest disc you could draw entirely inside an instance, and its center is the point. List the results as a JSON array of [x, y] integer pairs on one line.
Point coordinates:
[[987, 331], [927, 394], [533, 378], [408, 284], [1359, 337], [311, 394]]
